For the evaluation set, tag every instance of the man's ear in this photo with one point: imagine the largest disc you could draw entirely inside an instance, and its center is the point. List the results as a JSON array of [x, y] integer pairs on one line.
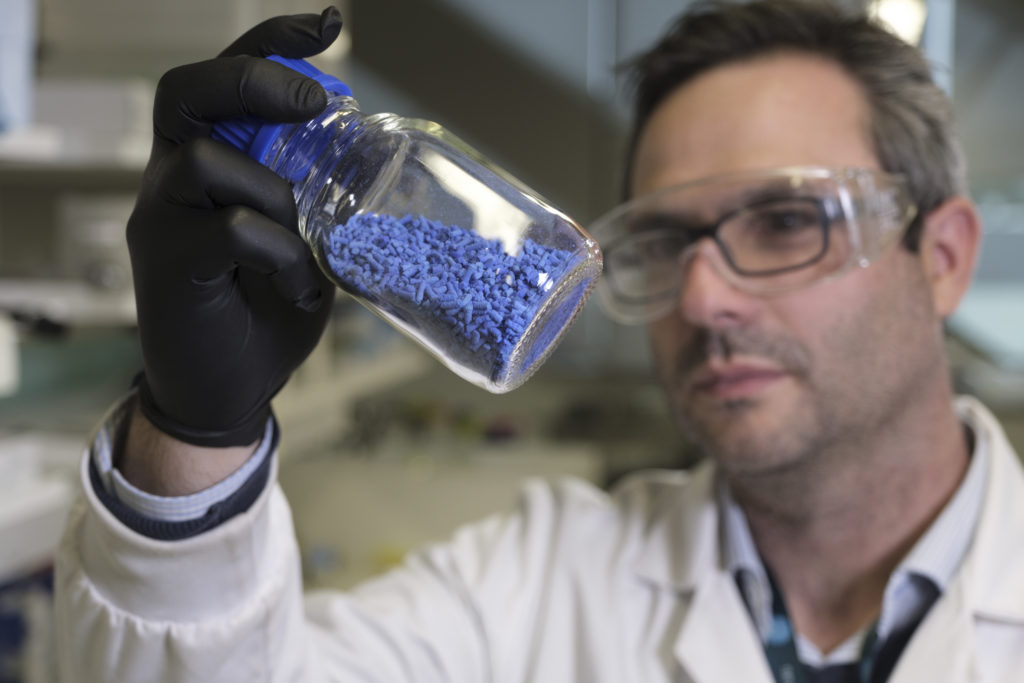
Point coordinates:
[[950, 241]]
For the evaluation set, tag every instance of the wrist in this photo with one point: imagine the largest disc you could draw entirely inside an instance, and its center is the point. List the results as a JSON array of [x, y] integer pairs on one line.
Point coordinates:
[[157, 463]]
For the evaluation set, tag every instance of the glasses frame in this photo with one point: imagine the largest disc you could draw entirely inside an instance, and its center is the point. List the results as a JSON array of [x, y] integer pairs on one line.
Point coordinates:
[[882, 198], [713, 231]]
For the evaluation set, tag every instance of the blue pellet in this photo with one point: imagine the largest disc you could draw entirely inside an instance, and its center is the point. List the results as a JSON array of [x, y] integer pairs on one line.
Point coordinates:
[[446, 281]]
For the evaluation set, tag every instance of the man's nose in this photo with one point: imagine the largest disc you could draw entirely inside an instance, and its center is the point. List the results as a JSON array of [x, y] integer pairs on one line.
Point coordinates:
[[706, 299]]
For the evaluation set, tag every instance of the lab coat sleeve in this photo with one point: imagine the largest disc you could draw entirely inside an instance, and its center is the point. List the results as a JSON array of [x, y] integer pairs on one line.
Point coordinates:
[[227, 605], [221, 606], [469, 610]]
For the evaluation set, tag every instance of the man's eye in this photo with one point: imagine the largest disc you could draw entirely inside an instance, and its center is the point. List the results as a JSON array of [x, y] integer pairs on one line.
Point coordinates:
[[662, 247], [786, 220], [780, 219], [654, 225]]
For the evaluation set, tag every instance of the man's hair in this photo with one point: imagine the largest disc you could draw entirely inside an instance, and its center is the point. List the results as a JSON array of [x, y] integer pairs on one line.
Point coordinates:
[[911, 117]]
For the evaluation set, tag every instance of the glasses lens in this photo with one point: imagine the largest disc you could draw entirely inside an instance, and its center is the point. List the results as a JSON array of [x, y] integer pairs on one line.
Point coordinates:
[[774, 236], [644, 266]]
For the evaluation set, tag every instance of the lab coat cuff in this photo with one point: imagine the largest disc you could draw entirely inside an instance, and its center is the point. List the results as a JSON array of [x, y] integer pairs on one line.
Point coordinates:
[[202, 577], [172, 518]]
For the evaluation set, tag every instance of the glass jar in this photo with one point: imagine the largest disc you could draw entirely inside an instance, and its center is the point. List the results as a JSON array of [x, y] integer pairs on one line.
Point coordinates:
[[427, 233]]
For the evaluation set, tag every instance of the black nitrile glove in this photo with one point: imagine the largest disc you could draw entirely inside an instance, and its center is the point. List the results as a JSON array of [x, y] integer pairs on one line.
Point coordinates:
[[229, 299]]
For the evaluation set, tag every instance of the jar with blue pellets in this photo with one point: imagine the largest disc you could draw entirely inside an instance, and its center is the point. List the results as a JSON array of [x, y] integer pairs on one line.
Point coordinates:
[[428, 234]]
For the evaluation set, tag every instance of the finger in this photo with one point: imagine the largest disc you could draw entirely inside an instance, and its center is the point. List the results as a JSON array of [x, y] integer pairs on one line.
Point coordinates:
[[209, 246], [298, 35], [251, 240], [206, 174], [303, 284], [190, 98], [253, 224]]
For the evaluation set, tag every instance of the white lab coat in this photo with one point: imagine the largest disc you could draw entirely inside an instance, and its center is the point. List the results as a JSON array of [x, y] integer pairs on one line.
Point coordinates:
[[575, 585]]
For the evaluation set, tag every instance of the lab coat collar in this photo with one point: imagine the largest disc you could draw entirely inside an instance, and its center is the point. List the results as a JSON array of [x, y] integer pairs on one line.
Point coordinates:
[[989, 585], [679, 547], [718, 623], [681, 552], [992, 570]]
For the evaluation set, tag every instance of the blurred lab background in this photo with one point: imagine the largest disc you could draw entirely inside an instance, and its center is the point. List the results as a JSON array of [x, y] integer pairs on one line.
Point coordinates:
[[383, 449]]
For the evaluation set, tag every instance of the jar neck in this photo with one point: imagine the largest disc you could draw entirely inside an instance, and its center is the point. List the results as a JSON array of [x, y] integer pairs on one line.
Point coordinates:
[[299, 149], [334, 159]]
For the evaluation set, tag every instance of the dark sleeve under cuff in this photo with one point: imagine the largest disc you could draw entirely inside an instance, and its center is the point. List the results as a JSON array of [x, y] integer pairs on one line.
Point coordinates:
[[218, 513]]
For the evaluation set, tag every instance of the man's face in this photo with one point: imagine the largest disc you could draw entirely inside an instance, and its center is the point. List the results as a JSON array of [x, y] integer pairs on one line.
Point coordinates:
[[763, 383]]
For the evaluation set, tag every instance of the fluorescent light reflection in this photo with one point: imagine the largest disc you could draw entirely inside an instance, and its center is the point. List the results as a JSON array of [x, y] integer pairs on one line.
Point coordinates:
[[905, 18]]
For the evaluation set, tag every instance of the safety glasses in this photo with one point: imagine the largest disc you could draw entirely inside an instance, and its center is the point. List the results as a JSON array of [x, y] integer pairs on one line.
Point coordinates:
[[772, 231]]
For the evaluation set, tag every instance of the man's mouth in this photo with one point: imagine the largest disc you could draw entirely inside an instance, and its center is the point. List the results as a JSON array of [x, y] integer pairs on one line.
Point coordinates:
[[735, 379]]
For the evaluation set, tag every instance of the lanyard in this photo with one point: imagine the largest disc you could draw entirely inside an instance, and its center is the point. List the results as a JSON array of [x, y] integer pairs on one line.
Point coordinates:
[[780, 648]]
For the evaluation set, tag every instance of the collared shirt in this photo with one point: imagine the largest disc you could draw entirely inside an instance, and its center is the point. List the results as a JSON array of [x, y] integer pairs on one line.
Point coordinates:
[[929, 566]]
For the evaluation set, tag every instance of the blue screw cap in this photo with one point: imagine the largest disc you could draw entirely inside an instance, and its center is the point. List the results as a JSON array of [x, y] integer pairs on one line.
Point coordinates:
[[253, 135]]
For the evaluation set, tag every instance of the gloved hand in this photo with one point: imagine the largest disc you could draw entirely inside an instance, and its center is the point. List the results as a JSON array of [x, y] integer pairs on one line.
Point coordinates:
[[228, 297]]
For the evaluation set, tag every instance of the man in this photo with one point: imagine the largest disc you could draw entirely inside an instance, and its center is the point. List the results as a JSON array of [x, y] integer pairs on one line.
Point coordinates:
[[796, 235]]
